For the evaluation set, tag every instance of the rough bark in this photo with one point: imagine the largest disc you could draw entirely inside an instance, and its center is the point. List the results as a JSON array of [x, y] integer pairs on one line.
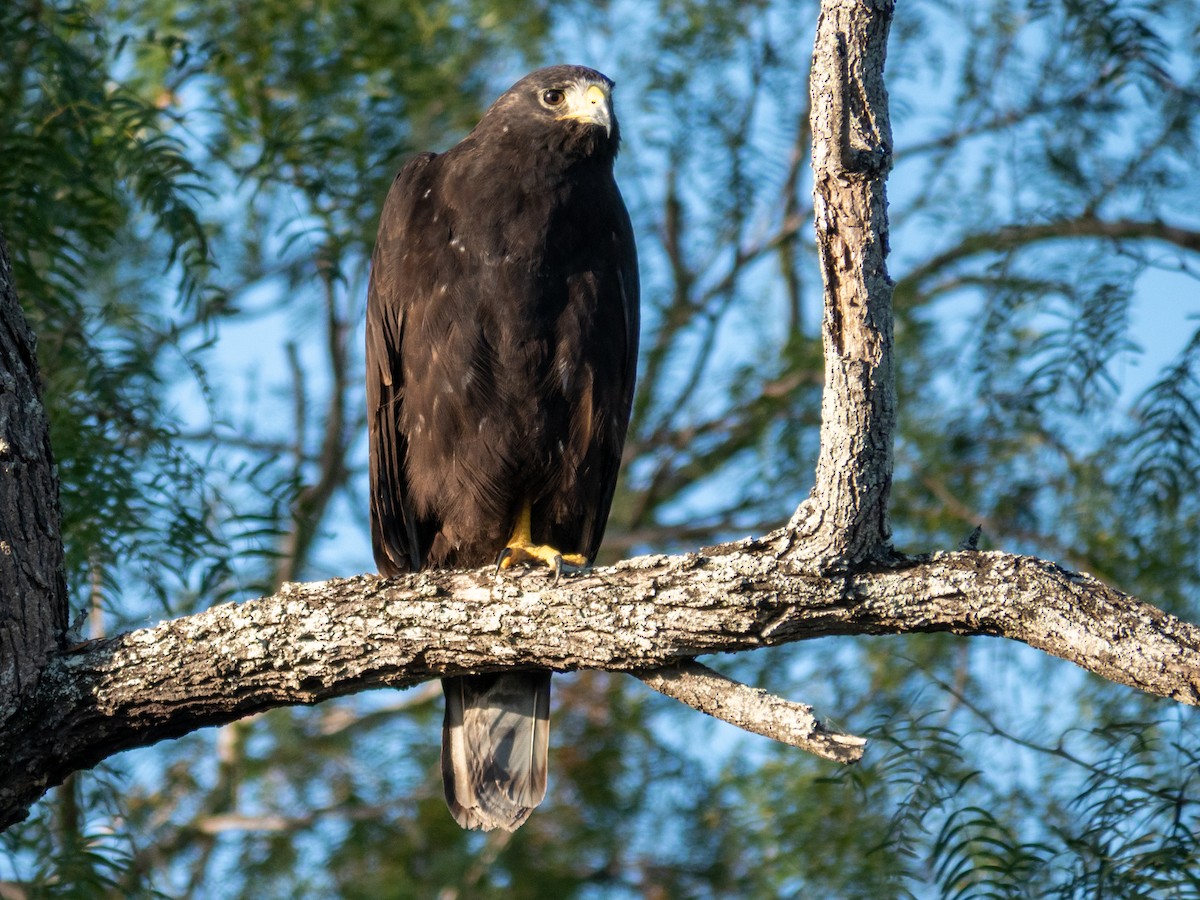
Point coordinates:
[[312, 642], [845, 519], [33, 606], [831, 572], [752, 709]]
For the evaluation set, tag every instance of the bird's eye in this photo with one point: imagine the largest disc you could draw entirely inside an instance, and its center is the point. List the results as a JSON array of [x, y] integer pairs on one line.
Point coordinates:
[[553, 97]]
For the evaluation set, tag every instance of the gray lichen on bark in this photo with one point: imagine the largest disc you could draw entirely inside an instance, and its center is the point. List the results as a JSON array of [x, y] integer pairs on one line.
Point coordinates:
[[831, 571], [649, 616], [845, 519]]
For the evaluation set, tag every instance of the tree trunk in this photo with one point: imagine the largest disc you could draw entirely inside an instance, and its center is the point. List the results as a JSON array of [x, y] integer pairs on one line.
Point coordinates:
[[832, 571], [33, 596]]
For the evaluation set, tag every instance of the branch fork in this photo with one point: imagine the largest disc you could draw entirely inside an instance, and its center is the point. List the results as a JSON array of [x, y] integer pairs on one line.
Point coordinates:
[[832, 571]]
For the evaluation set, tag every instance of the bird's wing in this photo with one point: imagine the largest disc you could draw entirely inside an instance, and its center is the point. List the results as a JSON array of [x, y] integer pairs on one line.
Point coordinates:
[[625, 284], [398, 538], [626, 251]]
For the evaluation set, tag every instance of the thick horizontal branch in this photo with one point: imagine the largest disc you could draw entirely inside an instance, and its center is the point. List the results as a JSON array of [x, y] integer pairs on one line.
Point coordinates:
[[311, 642]]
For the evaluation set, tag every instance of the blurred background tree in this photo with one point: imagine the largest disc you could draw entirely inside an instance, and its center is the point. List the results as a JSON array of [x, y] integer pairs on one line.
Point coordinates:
[[190, 194]]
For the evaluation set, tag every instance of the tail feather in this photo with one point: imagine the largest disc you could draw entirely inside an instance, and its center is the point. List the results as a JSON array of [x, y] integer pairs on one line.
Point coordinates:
[[494, 741]]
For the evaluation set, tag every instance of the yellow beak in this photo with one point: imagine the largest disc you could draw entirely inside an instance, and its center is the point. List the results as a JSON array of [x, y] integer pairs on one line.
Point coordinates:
[[589, 105]]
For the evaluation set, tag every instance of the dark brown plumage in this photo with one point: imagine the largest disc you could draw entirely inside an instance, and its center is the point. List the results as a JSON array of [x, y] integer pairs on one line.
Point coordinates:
[[502, 329]]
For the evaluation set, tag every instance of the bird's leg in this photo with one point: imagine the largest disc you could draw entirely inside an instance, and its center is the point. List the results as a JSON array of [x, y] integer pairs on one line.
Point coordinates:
[[522, 549]]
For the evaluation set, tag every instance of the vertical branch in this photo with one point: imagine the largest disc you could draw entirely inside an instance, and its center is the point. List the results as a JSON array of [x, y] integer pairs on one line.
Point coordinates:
[[33, 594], [791, 214], [844, 520], [313, 500]]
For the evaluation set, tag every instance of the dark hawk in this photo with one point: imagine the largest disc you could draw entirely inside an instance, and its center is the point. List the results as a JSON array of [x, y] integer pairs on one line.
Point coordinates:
[[502, 331]]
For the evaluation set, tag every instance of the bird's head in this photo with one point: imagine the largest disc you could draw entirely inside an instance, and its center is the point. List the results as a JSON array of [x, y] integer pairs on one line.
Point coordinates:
[[568, 107]]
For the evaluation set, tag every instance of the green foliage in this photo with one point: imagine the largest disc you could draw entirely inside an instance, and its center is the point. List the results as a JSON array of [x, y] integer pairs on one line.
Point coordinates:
[[206, 419], [1166, 451], [100, 210]]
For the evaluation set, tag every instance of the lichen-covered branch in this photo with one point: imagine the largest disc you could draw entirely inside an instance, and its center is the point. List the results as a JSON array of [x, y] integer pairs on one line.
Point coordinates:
[[831, 572], [311, 642], [845, 519], [752, 709]]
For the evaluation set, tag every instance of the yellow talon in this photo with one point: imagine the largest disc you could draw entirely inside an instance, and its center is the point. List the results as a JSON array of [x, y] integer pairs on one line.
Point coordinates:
[[522, 550]]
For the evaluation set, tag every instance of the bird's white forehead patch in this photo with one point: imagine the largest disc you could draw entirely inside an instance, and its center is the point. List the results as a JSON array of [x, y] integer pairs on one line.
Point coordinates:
[[588, 100]]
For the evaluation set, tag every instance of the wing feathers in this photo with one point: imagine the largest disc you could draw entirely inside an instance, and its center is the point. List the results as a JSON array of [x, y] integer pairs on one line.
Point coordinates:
[[398, 539]]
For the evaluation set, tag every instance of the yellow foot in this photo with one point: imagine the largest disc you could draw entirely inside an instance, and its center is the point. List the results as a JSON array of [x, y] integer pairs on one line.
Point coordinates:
[[534, 554], [521, 550]]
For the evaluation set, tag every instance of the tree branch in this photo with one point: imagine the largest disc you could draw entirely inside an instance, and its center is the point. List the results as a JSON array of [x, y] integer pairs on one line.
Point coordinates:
[[845, 519], [752, 709], [311, 642], [832, 572], [1013, 237]]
